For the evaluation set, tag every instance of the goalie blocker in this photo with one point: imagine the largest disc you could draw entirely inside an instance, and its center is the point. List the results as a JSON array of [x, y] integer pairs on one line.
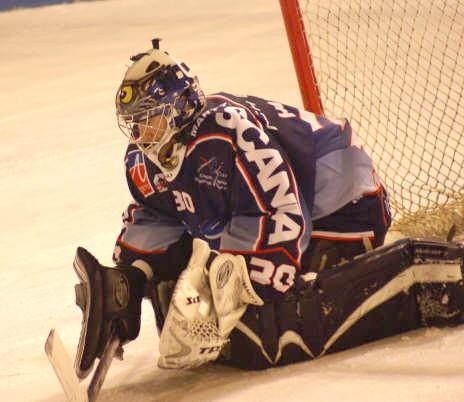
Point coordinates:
[[396, 288]]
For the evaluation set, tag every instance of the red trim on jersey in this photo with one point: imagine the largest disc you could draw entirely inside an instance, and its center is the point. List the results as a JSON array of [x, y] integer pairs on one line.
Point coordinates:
[[259, 252], [130, 219], [140, 251], [377, 182], [377, 191], [262, 206], [303, 226], [251, 186], [261, 231]]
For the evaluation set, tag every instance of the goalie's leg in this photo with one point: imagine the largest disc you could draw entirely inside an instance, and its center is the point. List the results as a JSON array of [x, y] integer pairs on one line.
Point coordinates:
[[357, 227], [110, 299], [405, 286], [396, 288]]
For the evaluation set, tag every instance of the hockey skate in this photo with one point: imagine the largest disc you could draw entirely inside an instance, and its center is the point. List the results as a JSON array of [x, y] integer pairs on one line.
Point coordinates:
[[110, 300]]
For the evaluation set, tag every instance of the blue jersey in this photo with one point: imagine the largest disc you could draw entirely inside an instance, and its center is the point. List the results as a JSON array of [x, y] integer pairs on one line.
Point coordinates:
[[254, 177]]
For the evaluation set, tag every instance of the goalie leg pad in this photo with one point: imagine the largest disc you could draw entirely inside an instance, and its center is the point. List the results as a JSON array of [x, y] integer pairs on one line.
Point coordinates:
[[110, 300], [190, 334], [440, 304], [231, 290], [209, 298], [394, 289]]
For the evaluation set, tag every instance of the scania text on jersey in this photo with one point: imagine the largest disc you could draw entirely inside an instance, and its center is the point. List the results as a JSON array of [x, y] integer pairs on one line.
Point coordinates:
[[268, 161]]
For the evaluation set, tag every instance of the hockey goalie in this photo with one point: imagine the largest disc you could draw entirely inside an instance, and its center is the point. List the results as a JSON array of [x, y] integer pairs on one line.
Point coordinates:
[[256, 231]]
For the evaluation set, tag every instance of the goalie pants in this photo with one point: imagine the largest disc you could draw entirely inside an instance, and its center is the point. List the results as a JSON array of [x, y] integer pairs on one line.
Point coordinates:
[[396, 288], [349, 231]]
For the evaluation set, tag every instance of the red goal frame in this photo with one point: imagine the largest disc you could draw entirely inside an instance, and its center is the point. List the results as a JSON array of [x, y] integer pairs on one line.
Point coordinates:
[[301, 55]]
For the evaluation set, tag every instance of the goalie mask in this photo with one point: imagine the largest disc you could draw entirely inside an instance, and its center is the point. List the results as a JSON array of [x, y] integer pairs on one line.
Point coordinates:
[[156, 101]]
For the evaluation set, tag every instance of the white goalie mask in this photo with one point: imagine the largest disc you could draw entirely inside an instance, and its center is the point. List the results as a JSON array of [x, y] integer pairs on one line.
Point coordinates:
[[156, 101]]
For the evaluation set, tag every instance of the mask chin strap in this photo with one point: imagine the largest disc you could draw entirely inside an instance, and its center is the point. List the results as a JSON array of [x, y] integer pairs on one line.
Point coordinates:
[[166, 157], [165, 154], [170, 155]]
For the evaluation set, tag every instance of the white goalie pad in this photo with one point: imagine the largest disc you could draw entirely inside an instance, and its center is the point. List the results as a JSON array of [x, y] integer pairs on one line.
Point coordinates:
[[204, 308], [232, 291]]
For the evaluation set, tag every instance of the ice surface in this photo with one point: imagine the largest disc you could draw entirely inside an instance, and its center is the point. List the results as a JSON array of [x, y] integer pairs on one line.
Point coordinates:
[[62, 183]]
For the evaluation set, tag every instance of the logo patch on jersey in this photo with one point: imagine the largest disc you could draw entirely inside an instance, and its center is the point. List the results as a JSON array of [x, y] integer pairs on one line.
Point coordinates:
[[211, 173], [160, 182], [136, 165]]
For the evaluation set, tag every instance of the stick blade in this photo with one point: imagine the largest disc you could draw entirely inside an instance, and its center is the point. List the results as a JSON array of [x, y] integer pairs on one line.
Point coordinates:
[[64, 369]]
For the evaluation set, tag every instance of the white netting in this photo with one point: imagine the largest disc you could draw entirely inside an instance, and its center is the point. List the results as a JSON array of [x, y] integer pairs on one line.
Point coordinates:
[[396, 69], [204, 331]]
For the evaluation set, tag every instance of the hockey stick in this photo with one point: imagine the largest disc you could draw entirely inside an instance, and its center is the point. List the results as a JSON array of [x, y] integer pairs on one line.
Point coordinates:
[[62, 364], [112, 349], [64, 369]]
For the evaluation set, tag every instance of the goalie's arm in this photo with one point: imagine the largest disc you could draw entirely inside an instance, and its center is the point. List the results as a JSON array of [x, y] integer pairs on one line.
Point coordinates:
[[154, 238]]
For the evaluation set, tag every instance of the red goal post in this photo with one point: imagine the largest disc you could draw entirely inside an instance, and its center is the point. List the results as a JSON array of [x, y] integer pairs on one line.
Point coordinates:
[[301, 55], [395, 69]]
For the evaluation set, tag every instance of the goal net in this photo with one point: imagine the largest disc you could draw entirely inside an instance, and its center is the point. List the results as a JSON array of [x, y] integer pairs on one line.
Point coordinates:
[[395, 69]]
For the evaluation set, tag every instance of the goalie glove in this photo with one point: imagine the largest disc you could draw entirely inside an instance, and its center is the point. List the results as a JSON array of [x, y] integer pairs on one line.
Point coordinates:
[[210, 297], [110, 299]]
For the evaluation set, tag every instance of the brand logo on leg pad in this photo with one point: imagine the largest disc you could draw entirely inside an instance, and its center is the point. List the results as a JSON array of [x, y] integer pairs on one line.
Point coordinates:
[[121, 292], [210, 349], [193, 300], [223, 274]]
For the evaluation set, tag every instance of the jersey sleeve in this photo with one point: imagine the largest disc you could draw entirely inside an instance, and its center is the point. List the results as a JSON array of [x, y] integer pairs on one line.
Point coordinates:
[[154, 238], [267, 223]]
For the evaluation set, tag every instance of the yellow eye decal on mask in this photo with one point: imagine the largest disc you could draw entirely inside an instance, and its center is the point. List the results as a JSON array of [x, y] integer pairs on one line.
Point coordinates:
[[125, 94]]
